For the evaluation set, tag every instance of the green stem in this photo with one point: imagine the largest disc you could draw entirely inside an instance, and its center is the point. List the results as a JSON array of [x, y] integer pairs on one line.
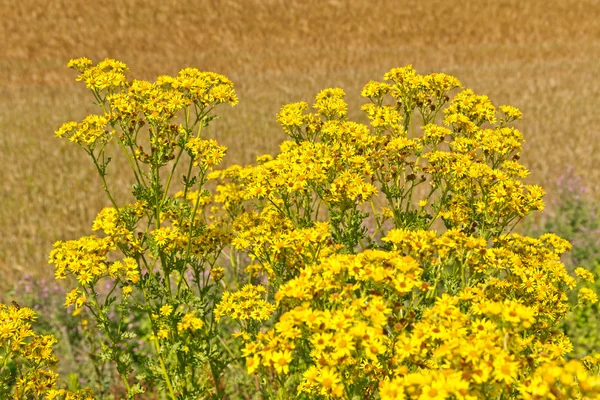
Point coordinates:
[[157, 346], [100, 314], [187, 118], [141, 173], [377, 222], [5, 359], [171, 176], [104, 184], [164, 369], [193, 216]]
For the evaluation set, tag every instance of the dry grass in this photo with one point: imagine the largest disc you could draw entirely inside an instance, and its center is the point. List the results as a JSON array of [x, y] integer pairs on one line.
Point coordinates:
[[538, 55]]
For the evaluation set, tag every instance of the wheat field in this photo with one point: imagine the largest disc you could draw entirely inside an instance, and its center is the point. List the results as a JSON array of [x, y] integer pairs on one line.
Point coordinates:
[[538, 55]]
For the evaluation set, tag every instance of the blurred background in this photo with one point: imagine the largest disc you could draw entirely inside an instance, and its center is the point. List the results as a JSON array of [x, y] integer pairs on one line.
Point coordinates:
[[541, 56]]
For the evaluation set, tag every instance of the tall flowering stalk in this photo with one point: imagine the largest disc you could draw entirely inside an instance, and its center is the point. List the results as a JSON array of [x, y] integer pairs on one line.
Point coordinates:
[[155, 251]]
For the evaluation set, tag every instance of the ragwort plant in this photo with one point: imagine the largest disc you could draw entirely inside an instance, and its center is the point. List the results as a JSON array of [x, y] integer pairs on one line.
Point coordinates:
[[27, 359], [165, 247], [405, 312], [76, 334], [319, 270]]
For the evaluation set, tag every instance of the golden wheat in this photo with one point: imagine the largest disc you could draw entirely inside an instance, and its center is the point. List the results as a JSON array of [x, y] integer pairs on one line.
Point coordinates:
[[537, 55]]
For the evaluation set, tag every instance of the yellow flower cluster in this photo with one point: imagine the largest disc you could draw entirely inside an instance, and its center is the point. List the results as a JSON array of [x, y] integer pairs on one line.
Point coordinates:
[[384, 118], [94, 128], [375, 90], [230, 197], [588, 296], [186, 322], [411, 91], [112, 222], [108, 221], [207, 88], [205, 153], [336, 171], [349, 186], [584, 274], [107, 74], [75, 298], [467, 106], [85, 258], [512, 113], [59, 394], [176, 242], [390, 309], [15, 331], [330, 103], [552, 380], [27, 360], [189, 322], [291, 117], [132, 104], [361, 320], [294, 170], [128, 270], [343, 324], [464, 166], [532, 267], [217, 273], [277, 244], [248, 303], [169, 238]]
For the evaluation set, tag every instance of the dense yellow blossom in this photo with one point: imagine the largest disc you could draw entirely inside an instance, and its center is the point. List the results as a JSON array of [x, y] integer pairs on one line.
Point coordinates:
[[324, 257], [246, 304], [31, 356], [85, 258], [93, 129], [189, 322], [206, 153]]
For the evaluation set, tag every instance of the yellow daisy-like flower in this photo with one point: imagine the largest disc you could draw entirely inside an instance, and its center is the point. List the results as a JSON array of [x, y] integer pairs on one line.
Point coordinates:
[[166, 310]]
